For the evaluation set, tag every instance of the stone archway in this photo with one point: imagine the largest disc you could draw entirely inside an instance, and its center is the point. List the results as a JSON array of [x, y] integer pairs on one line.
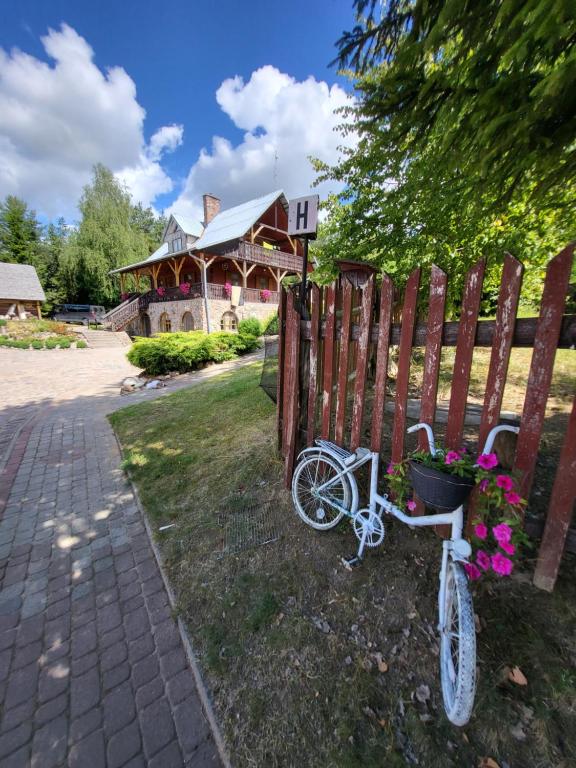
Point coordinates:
[[229, 322], [165, 324], [187, 323]]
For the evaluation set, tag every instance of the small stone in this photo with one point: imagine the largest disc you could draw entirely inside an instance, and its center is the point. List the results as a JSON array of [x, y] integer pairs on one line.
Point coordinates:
[[422, 693], [348, 661], [518, 732]]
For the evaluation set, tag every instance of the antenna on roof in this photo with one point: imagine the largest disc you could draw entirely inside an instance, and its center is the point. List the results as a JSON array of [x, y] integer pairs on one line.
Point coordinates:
[[275, 174]]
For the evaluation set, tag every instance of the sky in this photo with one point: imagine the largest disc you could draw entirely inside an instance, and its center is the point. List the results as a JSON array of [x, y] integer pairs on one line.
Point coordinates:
[[176, 97]]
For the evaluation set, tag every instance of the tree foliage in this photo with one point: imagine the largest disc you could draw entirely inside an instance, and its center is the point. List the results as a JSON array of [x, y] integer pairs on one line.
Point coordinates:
[[107, 238], [456, 123]]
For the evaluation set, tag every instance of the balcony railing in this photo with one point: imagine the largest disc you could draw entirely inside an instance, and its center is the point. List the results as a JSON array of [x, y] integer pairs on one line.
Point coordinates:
[[214, 291], [255, 253]]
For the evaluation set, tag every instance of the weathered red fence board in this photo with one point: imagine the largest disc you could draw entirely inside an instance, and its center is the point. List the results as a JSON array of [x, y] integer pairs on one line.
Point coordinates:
[[432, 356], [328, 372], [385, 324], [343, 361], [464, 352], [559, 512], [315, 299], [502, 345], [362, 361], [403, 375], [540, 376]]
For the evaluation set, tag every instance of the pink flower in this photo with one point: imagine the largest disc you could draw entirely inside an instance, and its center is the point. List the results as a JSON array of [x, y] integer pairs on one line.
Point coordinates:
[[483, 559], [501, 565], [480, 531], [452, 456], [483, 484], [508, 547], [488, 461], [411, 505], [505, 482], [390, 470], [502, 533], [513, 498], [473, 571]]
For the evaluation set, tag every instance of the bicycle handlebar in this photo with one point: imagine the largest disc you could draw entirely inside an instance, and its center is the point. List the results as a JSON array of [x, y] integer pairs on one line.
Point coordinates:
[[489, 440]]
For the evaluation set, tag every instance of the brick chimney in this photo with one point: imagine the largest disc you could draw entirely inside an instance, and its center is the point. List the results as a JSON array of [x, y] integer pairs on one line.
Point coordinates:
[[211, 208]]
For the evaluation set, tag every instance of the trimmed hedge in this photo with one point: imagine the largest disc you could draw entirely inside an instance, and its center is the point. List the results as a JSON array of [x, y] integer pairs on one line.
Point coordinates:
[[187, 351], [271, 326]]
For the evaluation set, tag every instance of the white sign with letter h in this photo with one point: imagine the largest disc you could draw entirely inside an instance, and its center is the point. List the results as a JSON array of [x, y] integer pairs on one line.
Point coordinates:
[[303, 215]]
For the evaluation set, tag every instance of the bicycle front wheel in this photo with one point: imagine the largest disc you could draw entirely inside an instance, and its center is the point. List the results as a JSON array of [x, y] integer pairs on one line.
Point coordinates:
[[320, 509], [458, 648]]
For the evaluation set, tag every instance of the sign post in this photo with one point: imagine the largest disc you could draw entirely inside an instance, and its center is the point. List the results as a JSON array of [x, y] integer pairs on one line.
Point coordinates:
[[303, 222]]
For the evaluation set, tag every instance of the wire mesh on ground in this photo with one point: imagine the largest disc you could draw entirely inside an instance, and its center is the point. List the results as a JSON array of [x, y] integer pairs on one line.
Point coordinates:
[[269, 378], [248, 523]]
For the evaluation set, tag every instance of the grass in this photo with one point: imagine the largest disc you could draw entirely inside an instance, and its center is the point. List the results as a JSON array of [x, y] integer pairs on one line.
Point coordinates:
[[288, 693], [37, 334]]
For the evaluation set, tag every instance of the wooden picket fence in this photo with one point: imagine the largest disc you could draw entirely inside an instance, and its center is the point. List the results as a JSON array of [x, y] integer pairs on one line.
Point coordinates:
[[329, 363]]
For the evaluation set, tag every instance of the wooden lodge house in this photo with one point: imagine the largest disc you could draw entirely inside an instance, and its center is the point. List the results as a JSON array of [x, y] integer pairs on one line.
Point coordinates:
[[211, 276]]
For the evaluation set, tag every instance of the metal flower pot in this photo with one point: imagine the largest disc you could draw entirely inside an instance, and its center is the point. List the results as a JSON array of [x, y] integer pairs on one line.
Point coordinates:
[[438, 489]]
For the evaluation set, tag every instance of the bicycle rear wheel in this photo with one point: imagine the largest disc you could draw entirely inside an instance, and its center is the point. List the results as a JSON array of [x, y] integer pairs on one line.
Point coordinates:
[[317, 508], [458, 647]]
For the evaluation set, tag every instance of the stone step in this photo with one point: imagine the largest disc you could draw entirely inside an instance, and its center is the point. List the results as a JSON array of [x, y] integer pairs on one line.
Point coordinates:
[[100, 339]]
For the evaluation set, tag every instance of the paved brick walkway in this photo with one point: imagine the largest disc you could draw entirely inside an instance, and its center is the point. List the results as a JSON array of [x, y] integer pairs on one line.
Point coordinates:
[[92, 668]]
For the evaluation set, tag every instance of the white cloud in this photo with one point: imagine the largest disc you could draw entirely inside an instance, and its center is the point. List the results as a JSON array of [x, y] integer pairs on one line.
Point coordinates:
[[58, 120], [286, 122]]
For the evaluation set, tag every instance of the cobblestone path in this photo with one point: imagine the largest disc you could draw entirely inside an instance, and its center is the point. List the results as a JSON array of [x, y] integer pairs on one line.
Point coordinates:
[[92, 668]]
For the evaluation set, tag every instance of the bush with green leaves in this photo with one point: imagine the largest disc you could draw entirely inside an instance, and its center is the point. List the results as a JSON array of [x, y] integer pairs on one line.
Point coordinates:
[[187, 351], [81, 345], [64, 343], [52, 342], [270, 326], [37, 344], [250, 326], [3, 321]]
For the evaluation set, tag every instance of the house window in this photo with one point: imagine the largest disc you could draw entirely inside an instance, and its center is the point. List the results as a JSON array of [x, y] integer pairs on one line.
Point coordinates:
[[165, 324], [176, 244], [234, 278], [187, 321], [229, 321], [263, 283]]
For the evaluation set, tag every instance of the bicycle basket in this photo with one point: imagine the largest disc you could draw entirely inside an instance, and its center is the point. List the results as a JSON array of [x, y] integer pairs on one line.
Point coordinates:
[[438, 489]]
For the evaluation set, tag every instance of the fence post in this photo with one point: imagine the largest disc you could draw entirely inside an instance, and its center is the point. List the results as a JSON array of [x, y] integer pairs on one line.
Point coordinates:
[[540, 376], [464, 352], [559, 511], [403, 375], [292, 376], [280, 379], [343, 362], [384, 328], [328, 368], [315, 298], [362, 361]]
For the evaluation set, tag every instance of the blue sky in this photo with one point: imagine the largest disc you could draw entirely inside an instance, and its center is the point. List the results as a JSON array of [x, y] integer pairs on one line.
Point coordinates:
[[173, 66]]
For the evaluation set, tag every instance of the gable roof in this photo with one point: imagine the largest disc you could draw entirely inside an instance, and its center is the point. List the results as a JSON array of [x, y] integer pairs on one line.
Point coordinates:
[[188, 226], [235, 222], [19, 282]]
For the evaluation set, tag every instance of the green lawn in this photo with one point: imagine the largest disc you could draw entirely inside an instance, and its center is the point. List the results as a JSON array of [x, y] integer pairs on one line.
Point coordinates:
[[289, 641]]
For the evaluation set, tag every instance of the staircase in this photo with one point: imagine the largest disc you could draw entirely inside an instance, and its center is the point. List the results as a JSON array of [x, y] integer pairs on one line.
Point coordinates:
[[106, 339], [124, 313]]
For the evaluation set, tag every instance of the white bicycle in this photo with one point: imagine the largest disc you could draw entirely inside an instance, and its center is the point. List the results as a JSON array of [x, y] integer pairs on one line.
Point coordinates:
[[324, 491]]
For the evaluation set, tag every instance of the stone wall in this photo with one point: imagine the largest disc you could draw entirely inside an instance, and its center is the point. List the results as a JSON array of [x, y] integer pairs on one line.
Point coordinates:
[[176, 309]]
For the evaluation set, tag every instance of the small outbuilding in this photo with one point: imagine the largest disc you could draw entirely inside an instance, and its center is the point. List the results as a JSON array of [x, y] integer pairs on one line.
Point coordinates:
[[20, 291]]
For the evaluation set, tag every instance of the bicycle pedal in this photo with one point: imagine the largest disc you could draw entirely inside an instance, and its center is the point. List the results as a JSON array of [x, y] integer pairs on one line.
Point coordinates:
[[350, 563]]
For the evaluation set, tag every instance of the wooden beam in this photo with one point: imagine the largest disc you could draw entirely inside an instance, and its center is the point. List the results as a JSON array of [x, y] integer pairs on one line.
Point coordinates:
[[122, 283], [524, 333], [38, 310], [137, 279]]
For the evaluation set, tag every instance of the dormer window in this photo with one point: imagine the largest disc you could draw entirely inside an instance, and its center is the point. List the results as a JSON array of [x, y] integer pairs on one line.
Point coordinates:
[[176, 244]]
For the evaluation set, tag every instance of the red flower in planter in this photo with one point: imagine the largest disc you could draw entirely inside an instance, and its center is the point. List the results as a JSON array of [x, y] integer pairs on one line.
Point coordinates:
[[265, 294], [185, 288], [228, 289], [160, 291]]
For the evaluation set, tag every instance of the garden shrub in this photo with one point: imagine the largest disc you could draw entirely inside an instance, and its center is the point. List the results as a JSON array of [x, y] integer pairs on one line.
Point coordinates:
[[270, 326], [64, 342], [37, 344], [81, 345], [250, 326], [52, 342], [3, 321], [186, 351]]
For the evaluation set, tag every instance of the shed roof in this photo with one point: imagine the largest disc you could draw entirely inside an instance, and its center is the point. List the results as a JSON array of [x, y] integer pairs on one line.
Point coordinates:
[[19, 282], [235, 222]]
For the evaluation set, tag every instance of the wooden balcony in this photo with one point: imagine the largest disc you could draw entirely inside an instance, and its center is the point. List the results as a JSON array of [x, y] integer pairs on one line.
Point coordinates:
[[266, 256]]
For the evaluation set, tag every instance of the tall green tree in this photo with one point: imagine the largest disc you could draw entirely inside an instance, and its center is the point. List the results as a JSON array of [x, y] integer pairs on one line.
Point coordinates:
[[152, 226], [433, 178], [106, 238], [20, 232]]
